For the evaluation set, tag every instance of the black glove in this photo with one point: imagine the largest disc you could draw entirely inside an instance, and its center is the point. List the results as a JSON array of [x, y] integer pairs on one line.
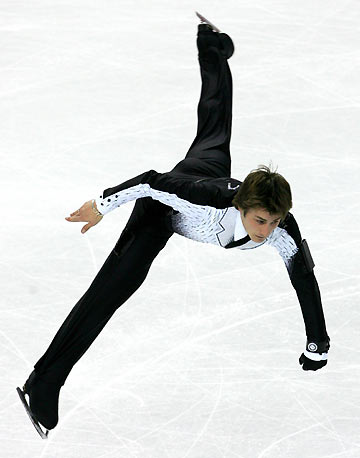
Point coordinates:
[[315, 355]]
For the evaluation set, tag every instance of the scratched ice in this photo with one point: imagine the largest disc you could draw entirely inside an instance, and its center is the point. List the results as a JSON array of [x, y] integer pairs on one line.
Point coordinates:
[[202, 361]]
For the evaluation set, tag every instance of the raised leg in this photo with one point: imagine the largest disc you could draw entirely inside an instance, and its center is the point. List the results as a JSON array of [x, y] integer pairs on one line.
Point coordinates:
[[212, 141]]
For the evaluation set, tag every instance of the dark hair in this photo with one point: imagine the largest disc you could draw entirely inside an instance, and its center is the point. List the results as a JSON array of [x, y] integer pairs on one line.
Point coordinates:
[[264, 188]]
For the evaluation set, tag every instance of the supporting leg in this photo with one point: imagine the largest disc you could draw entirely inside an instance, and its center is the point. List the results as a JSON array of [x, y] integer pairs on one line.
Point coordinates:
[[121, 275]]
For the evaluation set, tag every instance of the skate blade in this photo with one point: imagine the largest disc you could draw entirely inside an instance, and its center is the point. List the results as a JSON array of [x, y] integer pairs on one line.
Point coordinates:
[[31, 415], [203, 19]]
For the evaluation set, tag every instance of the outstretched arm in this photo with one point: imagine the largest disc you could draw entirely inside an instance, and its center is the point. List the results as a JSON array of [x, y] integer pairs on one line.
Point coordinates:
[[300, 265], [185, 194]]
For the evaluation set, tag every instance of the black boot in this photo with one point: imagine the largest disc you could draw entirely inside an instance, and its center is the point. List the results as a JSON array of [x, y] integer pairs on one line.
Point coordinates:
[[207, 38], [44, 400]]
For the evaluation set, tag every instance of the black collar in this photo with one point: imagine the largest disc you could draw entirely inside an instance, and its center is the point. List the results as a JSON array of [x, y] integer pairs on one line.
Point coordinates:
[[238, 242]]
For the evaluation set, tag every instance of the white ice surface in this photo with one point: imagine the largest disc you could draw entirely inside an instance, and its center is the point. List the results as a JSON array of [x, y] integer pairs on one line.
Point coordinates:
[[202, 361]]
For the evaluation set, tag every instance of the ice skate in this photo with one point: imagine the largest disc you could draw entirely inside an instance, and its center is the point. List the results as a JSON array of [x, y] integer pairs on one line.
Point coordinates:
[[42, 406], [226, 43], [21, 393]]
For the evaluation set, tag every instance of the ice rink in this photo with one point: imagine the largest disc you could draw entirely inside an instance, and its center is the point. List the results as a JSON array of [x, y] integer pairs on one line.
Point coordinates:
[[202, 361]]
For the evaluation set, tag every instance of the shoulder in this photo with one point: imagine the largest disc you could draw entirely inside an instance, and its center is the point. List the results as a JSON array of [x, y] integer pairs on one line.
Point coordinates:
[[291, 227], [202, 190], [225, 189], [223, 183]]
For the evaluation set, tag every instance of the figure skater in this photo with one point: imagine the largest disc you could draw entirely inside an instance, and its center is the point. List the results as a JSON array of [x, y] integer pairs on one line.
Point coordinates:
[[199, 200]]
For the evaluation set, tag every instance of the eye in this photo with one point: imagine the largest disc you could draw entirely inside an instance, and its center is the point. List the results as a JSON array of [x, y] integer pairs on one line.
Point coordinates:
[[262, 222]]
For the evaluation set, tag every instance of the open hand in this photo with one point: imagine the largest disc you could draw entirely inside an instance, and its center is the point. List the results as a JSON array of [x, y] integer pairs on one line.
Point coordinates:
[[85, 213]]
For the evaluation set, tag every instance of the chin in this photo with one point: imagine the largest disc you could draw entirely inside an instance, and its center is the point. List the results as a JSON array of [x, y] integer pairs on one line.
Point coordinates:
[[256, 239]]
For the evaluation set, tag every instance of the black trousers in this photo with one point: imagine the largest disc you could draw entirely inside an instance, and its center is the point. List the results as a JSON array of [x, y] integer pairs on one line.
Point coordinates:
[[147, 230]]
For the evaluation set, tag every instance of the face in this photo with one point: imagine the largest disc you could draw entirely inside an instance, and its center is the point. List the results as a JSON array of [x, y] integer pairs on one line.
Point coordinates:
[[258, 223]]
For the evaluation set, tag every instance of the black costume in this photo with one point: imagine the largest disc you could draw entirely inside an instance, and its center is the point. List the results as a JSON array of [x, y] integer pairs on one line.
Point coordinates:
[[193, 199]]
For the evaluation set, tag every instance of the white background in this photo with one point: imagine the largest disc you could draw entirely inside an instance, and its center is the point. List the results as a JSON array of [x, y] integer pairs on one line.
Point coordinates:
[[202, 361]]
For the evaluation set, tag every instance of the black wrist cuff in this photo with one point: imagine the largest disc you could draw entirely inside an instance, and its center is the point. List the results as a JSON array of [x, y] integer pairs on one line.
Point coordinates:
[[318, 347]]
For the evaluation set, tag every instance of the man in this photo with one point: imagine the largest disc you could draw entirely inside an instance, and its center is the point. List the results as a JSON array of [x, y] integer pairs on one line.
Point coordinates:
[[199, 200]]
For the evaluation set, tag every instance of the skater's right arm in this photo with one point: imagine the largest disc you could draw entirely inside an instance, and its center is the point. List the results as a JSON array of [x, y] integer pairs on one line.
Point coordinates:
[[183, 193]]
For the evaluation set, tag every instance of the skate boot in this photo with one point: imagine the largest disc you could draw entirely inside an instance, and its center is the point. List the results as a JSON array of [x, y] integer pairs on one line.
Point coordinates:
[[209, 35], [43, 402]]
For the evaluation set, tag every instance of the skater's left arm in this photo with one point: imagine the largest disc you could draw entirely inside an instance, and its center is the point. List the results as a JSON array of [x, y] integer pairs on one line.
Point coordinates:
[[300, 266]]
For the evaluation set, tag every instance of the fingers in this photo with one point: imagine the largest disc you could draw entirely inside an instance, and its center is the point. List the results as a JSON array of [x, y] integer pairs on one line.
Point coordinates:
[[75, 219], [75, 216], [84, 229], [85, 214]]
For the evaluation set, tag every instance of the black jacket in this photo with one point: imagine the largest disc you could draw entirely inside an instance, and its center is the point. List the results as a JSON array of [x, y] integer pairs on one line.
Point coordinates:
[[203, 211]]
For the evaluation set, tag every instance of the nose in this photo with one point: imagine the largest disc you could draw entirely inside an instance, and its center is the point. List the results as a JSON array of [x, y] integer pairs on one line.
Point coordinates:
[[265, 233]]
